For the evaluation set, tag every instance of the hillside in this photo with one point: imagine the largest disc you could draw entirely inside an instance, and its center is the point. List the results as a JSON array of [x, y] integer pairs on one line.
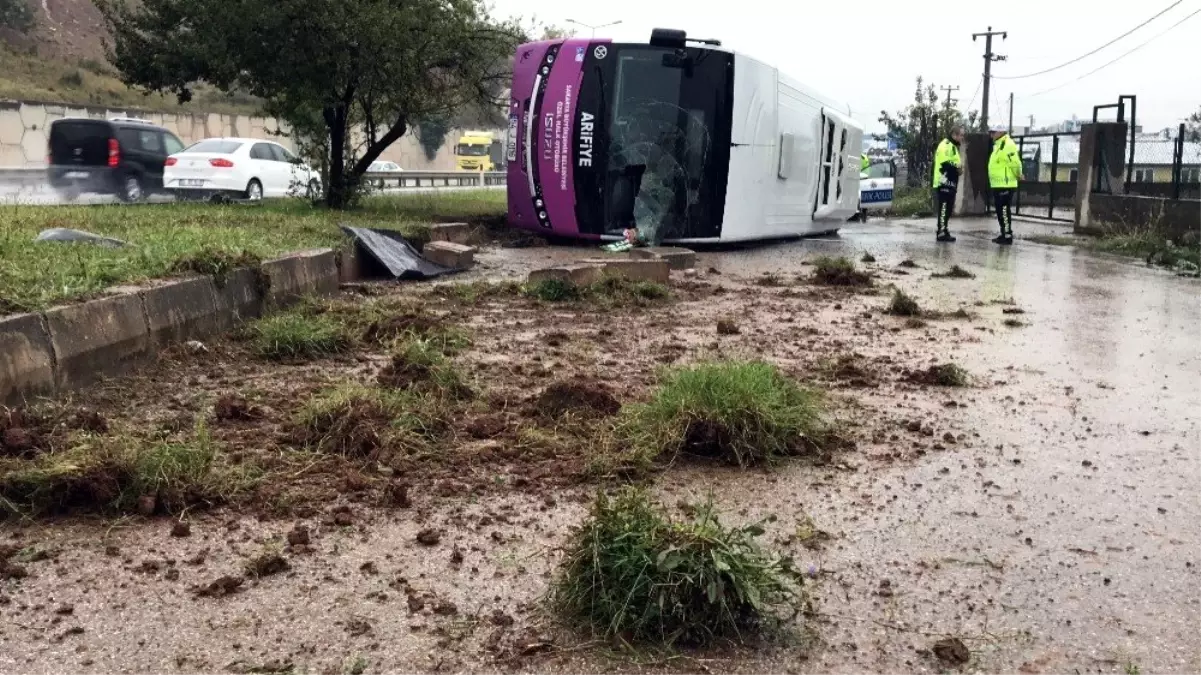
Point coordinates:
[[62, 60]]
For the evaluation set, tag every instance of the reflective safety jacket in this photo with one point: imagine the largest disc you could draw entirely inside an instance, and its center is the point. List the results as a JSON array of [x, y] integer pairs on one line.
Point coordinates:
[[947, 153], [1004, 164], [864, 163]]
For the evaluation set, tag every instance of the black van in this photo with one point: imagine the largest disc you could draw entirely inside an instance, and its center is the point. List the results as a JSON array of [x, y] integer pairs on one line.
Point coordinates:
[[120, 156]]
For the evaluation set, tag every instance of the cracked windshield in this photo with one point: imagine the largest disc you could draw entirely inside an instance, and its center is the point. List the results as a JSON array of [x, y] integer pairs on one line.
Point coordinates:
[[659, 145]]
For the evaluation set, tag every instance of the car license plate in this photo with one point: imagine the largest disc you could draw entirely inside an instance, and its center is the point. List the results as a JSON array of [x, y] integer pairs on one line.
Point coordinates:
[[191, 182], [77, 174], [511, 141]]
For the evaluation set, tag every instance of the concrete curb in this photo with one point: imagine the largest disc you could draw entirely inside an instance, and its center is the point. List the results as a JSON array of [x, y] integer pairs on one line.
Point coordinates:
[[26, 358], [69, 347]]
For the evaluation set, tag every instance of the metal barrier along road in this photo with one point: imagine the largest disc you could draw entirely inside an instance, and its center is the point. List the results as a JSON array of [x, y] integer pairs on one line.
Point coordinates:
[[432, 179], [1050, 167], [386, 180]]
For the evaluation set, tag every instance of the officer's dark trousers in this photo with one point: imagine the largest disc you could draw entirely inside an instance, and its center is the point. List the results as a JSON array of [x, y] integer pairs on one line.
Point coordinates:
[[1002, 201], [946, 204]]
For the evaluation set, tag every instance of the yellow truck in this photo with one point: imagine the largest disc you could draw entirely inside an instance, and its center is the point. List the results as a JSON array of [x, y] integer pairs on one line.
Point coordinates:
[[478, 151]]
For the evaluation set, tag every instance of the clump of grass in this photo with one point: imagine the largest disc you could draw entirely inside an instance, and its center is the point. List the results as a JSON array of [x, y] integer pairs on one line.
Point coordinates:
[[120, 475], [478, 291], [1014, 323], [610, 291], [903, 304], [743, 413], [911, 203], [422, 365], [956, 272], [941, 375], [630, 571], [769, 280], [297, 334], [867, 258], [838, 272], [553, 290], [215, 262], [728, 327], [370, 423]]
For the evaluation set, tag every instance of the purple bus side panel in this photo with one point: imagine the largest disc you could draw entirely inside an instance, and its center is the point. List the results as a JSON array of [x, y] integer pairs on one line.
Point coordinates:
[[553, 149]]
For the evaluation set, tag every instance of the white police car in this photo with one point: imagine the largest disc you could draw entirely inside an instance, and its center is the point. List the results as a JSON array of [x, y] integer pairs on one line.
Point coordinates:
[[875, 187]]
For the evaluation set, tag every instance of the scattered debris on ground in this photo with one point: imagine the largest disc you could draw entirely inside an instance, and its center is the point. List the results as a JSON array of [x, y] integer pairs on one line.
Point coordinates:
[[941, 375], [956, 272], [839, 272]]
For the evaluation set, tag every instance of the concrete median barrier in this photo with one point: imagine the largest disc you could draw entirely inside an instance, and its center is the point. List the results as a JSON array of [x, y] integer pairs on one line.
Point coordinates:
[[240, 296], [651, 269], [677, 258], [26, 359], [449, 254], [108, 336], [181, 310], [299, 274]]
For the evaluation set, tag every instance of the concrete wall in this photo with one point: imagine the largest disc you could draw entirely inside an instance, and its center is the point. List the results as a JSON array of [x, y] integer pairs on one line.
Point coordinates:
[[1130, 213], [65, 348], [24, 126], [1103, 145]]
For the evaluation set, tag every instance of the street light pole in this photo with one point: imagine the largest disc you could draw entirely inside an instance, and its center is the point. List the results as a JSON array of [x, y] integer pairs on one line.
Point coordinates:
[[593, 28]]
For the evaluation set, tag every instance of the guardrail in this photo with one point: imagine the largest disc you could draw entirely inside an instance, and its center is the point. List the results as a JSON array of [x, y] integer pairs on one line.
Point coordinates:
[[382, 180], [427, 179]]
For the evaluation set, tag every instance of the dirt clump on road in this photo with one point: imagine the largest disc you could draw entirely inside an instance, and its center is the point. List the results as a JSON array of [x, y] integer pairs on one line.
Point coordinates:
[[581, 397]]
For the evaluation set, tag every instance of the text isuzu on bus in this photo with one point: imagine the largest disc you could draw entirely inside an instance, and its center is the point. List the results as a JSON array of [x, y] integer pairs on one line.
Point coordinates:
[[677, 138]]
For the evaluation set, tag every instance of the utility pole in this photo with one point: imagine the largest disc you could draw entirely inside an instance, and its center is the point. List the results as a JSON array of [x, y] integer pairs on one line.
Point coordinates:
[[989, 57], [949, 101], [1011, 112]]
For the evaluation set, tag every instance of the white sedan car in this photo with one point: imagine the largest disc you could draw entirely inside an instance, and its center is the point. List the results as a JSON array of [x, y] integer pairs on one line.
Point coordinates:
[[248, 168]]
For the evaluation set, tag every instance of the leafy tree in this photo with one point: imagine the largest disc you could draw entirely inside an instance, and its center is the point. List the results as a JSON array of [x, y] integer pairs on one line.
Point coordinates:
[[920, 126], [431, 133], [1192, 127], [349, 77], [16, 15]]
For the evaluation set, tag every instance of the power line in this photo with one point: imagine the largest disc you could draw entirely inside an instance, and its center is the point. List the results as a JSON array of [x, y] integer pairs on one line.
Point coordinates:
[[1119, 58], [1078, 58], [975, 94]]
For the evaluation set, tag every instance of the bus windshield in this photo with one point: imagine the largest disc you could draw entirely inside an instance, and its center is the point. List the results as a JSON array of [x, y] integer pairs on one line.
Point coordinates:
[[667, 120], [662, 127]]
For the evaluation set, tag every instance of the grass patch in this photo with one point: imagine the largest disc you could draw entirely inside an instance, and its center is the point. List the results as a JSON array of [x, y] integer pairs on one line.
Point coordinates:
[[169, 239], [608, 292], [956, 272], [298, 334], [215, 262], [867, 258], [26, 77], [910, 202], [903, 304], [120, 475], [421, 365], [941, 375], [1152, 243], [631, 572], [769, 280], [743, 413], [839, 271], [372, 423]]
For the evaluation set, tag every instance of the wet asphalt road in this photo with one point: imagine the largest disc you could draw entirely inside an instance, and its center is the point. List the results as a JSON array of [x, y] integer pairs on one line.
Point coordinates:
[[1066, 536]]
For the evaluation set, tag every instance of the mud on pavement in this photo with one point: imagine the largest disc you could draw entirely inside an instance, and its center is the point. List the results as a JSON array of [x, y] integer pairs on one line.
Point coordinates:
[[1004, 525]]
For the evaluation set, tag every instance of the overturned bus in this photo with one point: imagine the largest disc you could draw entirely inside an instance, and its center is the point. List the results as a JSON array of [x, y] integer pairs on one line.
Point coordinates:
[[678, 139]]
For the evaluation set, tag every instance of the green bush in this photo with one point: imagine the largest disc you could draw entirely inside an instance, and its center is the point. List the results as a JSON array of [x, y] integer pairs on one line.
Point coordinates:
[[912, 203], [630, 572], [744, 413]]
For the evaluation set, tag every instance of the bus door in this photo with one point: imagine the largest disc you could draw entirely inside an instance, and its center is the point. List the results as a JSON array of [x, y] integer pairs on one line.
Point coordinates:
[[838, 166]]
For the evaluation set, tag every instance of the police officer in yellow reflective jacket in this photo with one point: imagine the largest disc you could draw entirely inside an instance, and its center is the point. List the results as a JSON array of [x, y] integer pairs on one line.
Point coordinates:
[[1004, 172], [947, 166], [864, 163]]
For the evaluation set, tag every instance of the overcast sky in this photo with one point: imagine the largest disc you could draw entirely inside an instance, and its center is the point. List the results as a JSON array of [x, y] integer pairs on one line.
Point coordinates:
[[868, 52]]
